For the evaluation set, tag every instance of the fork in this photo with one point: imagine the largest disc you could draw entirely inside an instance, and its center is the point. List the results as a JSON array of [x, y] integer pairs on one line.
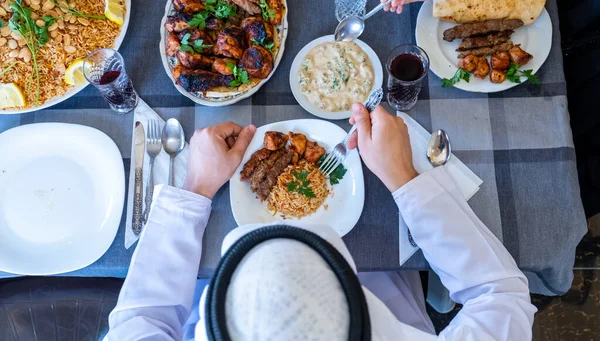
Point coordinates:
[[153, 148], [337, 154]]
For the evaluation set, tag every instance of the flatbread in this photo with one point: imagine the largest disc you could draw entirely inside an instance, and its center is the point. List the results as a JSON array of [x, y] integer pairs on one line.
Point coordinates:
[[468, 11]]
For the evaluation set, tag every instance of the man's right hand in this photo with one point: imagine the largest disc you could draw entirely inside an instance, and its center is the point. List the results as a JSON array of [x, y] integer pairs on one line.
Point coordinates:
[[384, 145]]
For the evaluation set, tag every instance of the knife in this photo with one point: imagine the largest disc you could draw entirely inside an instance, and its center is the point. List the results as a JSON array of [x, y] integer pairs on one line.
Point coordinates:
[[139, 151]]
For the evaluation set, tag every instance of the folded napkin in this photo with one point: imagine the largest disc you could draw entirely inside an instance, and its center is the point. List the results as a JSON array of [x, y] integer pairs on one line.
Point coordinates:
[[467, 182], [143, 113]]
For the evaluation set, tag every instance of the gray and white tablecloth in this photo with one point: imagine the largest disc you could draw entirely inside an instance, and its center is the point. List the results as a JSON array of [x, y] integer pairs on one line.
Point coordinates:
[[518, 141]]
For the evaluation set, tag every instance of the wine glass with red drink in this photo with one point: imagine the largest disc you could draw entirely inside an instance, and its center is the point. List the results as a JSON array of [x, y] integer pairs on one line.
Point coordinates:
[[407, 66], [105, 69]]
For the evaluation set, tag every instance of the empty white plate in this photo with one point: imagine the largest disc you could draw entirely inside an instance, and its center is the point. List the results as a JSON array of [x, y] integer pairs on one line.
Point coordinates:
[[343, 209], [62, 188], [535, 39]]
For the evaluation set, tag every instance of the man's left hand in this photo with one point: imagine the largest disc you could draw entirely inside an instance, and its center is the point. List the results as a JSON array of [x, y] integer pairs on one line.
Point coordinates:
[[214, 154]]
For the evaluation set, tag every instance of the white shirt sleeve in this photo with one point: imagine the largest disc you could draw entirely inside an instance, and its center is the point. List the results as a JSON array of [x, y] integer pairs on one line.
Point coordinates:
[[471, 262], [157, 295]]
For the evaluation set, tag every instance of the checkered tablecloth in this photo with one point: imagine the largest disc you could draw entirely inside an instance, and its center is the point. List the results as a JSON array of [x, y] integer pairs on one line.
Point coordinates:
[[518, 141]]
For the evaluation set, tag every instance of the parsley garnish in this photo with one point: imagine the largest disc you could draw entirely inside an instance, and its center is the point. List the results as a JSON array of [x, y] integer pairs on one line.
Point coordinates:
[[301, 185], [267, 13], [240, 75], [197, 45], [262, 43], [460, 74], [217, 8], [514, 74], [337, 174]]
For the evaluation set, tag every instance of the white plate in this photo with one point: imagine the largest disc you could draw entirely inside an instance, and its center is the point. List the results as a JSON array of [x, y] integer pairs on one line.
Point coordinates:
[[345, 207], [62, 188], [535, 39], [295, 84], [75, 90], [215, 99]]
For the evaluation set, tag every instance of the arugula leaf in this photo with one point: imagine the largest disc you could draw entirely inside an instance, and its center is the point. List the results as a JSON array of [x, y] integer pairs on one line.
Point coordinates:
[[514, 74], [267, 12], [240, 76], [458, 75]]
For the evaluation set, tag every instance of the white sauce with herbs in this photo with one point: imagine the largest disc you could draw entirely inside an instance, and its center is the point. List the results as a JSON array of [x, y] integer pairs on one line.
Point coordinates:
[[335, 75]]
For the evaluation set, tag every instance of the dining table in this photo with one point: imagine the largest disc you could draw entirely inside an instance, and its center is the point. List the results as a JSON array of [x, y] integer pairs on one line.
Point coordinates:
[[518, 141]]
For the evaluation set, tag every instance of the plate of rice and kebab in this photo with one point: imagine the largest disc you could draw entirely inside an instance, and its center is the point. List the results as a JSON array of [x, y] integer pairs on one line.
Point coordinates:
[[43, 44], [218, 52], [495, 46], [279, 178]]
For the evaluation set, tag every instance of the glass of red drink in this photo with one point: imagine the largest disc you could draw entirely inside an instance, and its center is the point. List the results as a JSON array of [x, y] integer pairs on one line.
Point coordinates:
[[105, 69], [407, 67]]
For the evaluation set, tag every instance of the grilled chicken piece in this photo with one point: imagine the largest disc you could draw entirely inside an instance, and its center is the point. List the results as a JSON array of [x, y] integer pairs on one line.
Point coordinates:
[[173, 44], [279, 9], [298, 143], [194, 60], [250, 6], [313, 152], [469, 63], [177, 22], [213, 24], [500, 61], [258, 30], [199, 80], [483, 68], [220, 66], [231, 42], [519, 56], [196, 34], [188, 6], [497, 76], [257, 61], [275, 140], [255, 160]]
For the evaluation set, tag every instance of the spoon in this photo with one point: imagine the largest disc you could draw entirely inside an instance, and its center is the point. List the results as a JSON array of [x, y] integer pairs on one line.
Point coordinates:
[[353, 26], [173, 140], [439, 149]]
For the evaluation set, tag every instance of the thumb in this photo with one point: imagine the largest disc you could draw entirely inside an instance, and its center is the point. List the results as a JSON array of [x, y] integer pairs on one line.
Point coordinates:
[[362, 119], [243, 140]]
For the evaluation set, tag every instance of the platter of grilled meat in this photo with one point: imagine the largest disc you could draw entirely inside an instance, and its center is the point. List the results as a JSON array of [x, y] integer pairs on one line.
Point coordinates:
[[218, 52], [493, 55]]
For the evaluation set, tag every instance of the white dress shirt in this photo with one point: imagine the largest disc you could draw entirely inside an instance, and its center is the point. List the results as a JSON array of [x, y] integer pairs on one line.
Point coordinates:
[[160, 290]]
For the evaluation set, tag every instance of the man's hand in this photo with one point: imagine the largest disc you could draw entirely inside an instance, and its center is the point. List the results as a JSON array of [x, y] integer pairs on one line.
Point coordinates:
[[214, 155], [384, 145], [397, 5]]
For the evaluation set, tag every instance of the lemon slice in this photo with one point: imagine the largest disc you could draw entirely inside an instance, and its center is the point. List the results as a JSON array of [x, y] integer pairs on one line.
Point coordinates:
[[11, 96], [114, 11], [74, 73]]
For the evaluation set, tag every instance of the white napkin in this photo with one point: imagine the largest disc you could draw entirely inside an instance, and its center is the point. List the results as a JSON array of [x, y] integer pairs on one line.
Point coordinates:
[[468, 183], [143, 113]]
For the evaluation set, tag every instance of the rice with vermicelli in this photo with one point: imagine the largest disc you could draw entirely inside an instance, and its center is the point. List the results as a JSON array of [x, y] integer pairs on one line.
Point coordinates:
[[292, 203], [71, 38]]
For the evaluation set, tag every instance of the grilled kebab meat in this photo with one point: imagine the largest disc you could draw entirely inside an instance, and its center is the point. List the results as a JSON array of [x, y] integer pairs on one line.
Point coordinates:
[[481, 28], [500, 61], [517, 55], [258, 31], [255, 160], [257, 61], [275, 140], [469, 63], [188, 6], [231, 42], [486, 51], [250, 6], [220, 66], [194, 60], [497, 76], [483, 68], [173, 44], [265, 187], [199, 80], [177, 22], [484, 41]]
